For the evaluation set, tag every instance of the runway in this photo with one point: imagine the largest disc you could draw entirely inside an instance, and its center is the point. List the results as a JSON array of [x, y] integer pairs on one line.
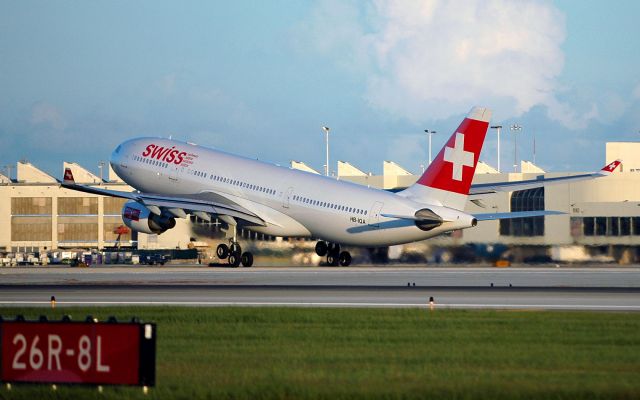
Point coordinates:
[[515, 288]]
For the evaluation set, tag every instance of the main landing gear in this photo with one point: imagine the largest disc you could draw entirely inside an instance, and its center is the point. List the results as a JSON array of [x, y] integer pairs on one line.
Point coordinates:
[[233, 253], [334, 256]]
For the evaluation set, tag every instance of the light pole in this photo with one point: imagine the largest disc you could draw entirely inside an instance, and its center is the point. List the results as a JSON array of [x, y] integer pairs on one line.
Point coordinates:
[[498, 128], [326, 140], [534, 147], [430, 133], [100, 166], [515, 128]]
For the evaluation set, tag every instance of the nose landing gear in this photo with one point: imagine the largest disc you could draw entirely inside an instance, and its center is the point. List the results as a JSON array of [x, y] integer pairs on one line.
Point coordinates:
[[334, 256]]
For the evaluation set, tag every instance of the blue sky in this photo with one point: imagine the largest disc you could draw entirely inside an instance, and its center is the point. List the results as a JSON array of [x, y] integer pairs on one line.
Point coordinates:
[[260, 78]]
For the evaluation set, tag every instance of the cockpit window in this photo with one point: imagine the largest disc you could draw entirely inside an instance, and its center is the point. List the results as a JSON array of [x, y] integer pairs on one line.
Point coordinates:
[[118, 149]]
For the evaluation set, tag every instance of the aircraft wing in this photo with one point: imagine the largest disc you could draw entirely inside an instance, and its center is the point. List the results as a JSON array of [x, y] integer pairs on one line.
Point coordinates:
[[209, 203], [479, 217], [487, 188]]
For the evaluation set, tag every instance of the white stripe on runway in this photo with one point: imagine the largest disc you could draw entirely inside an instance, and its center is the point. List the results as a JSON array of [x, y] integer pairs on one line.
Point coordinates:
[[329, 304]]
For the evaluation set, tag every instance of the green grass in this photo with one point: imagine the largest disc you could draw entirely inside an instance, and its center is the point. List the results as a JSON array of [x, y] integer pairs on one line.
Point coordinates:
[[292, 353]]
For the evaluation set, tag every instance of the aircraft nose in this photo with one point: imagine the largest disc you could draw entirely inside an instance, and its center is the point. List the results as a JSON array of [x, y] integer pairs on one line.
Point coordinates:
[[116, 156], [118, 159]]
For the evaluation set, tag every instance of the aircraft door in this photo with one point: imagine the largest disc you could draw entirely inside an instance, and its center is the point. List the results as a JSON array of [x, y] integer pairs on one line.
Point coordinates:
[[173, 173], [286, 200], [374, 214]]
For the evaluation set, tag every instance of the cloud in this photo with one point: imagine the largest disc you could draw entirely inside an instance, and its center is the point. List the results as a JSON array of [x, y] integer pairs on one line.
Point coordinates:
[[437, 58], [444, 56], [636, 92], [567, 116], [47, 114]]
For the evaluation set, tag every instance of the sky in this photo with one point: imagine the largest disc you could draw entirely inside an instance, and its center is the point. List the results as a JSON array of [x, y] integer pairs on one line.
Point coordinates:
[[261, 78]]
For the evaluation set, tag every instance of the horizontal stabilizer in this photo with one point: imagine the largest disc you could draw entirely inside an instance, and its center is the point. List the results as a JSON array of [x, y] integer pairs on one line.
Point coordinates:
[[424, 215], [517, 214], [397, 216]]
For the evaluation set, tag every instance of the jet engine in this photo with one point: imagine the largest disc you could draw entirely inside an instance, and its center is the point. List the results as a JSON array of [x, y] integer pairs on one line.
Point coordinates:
[[426, 219], [139, 218]]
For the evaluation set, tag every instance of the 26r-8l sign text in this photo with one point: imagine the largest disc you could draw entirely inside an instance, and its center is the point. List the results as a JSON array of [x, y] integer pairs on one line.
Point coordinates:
[[72, 352]]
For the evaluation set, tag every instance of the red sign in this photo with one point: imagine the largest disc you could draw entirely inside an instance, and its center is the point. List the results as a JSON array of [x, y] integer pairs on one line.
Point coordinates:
[[76, 352]]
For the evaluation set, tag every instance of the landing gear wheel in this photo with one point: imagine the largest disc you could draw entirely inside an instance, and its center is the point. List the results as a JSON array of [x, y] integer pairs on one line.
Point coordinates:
[[222, 251], [345, 259], [247, 259], [235, 248], [234, 260], [334, 249], [322, 248], [332, 260]]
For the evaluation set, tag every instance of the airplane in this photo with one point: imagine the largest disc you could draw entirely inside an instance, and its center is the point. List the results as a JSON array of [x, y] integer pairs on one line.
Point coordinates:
[[173, 178]]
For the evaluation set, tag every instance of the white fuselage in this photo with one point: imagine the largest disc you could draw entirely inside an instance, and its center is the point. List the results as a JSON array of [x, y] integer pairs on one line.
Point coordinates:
[[292, 203]]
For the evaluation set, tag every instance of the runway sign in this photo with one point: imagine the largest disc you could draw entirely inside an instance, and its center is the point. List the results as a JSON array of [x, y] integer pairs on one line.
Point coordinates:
[[94, 353]]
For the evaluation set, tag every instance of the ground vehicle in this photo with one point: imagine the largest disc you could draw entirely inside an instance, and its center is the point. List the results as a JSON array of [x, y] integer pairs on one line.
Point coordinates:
[[154, 259]]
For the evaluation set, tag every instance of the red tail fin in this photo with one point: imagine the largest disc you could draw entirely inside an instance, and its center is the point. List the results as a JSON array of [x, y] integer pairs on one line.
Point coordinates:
[[609, 168], [448, 179], [453, 168], [68, 176]]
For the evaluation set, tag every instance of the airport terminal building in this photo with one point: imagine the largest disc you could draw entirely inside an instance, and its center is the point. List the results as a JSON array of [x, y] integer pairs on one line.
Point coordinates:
[[602, 216]]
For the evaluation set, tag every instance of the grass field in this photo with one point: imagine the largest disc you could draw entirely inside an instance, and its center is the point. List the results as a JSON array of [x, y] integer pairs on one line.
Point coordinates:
[[375, 353]]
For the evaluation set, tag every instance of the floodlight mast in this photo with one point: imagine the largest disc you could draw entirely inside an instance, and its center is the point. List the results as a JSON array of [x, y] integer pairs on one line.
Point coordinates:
[[101, 165], [515, 128], [326, 130], [498, 128], [430, 133]]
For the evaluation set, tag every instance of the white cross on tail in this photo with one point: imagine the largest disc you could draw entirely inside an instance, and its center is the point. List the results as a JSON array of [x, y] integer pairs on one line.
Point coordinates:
[[458, 157]]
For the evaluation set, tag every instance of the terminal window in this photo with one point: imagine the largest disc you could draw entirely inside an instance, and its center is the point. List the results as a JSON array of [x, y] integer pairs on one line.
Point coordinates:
[[78, 229], [113, 205], [78, 206], [525, 200], [31, 219], [609, 226], [30, 228], [31, 206]]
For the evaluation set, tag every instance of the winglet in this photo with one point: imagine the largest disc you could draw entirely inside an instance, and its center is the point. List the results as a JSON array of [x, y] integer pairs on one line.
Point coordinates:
[[608, 169], [68, 177]]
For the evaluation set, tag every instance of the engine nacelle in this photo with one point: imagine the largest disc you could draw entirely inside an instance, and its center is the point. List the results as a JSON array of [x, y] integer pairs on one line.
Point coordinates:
[[139, 218], [427, 219]]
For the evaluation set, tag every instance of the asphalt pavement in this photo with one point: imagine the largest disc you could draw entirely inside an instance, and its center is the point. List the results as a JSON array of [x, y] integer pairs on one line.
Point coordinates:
[[588, 288]]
